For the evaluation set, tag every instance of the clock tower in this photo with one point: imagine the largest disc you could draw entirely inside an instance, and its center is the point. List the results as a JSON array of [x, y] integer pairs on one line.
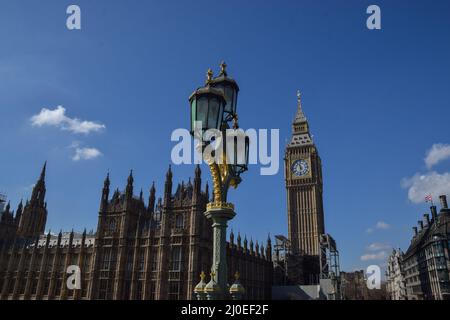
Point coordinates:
[[303, 178]]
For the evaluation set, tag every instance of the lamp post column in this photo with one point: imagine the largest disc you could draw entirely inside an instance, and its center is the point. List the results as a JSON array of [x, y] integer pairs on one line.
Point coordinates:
[[219, 215]]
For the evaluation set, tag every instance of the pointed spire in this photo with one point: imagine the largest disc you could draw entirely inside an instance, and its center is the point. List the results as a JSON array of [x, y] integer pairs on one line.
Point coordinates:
[[38, 193], [231, 237], [8, 206], [130, 177], [141, 195], [105, 193], [168, 187], [71, 235], [107, 182], [153, 189], [129, 188], [59, 237], [269, 248], [44, 168], [49, 236], [152, 197], [198, 171], [239, 240], [169, 173], [300, 116], [19, 212], [20, 207], [207, 191]]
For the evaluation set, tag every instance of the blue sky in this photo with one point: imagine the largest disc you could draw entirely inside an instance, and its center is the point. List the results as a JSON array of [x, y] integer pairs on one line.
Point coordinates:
[[377, 102]]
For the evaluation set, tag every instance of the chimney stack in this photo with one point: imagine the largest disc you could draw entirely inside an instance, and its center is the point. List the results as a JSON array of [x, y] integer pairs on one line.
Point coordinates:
[[415, 231], [420, 222], [443, 200], [426, 218], [433, 212]]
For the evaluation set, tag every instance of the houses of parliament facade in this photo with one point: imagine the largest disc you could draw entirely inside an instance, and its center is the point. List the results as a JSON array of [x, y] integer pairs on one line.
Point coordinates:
[[157, 249]]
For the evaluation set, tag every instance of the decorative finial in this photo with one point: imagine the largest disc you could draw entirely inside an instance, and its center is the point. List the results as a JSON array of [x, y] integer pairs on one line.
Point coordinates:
[[212, 274], [235, 121], [202, 276], [209, 76], [223, 69], [299, 115]]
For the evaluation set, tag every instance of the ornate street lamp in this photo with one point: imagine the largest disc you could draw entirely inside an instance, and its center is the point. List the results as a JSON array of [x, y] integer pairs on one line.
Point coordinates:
[[230, 90], [212, 107], [207, 108]]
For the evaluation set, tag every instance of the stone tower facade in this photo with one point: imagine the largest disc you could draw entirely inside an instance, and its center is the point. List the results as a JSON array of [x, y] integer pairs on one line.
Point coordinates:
[[303, 178], [33, 217]]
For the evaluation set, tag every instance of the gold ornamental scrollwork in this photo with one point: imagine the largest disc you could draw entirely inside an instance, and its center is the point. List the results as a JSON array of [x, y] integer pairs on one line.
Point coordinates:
[[219, 205]]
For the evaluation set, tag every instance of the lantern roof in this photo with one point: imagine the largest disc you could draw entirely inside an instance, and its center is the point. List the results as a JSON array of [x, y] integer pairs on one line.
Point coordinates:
[[223, 77], [207, 90]]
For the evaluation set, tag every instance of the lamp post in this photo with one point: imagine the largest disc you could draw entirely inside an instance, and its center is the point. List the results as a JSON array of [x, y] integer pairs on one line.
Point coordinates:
[[225, 149]]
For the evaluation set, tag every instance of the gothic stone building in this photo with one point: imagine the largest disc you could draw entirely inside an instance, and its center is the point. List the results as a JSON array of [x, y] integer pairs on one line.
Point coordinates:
[[426, 263], [395, 276], [139, 251]]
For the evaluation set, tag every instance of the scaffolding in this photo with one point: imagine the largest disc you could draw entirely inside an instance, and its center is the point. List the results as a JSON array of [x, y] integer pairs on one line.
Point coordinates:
[[329, 263], [282, 251]]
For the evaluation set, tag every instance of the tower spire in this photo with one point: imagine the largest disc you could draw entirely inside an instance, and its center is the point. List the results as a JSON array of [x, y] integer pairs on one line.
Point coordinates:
[[300, 126], [300, 116], [38, 193], [129, 188], [168, 186], [44, 168], [151, 199]]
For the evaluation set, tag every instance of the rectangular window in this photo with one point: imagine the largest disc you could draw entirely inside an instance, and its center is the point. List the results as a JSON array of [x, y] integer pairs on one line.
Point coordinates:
[[106, 259], [174, 290], [154, 262], [152, 290], [176, 258], [34, 286], [139, 290], [141, 260]]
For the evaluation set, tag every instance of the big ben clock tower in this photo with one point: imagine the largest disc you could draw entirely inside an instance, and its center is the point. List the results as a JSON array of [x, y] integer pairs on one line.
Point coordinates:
[[303, 177]]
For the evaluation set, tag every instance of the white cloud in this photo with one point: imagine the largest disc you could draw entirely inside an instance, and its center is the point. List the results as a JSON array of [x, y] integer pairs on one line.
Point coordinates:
[[436, 154], [86, 154], [421, 185], [374, 256], [58, 118], [377, 246], [382, 225]]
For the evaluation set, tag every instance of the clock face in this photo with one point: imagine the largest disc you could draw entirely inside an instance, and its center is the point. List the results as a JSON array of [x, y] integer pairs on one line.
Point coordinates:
[[300, 168]]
